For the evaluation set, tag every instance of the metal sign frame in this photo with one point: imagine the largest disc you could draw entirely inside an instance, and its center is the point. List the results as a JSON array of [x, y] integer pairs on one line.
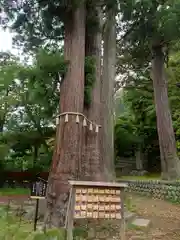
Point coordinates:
[[38, 191]]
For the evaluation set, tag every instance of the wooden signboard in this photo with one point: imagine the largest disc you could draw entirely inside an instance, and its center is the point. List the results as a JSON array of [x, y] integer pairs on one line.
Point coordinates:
[[99, 200]]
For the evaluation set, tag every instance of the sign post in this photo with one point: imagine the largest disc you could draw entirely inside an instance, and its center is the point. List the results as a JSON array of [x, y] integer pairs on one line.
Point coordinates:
[[95, 200], [36, 214], [38, 191]]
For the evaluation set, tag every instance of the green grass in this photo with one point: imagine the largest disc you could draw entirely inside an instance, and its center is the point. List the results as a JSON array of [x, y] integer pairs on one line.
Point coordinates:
[[15, 228], [13, 191], [130, 204], [11, 227]]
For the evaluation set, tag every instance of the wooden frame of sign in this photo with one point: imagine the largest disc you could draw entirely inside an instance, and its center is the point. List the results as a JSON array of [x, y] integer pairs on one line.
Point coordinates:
[[100, 200]]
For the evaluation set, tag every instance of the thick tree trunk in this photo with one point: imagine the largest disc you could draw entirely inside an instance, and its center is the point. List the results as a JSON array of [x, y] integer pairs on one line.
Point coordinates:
[[107, 91], [93, 157], [170, 164], [67, 154]]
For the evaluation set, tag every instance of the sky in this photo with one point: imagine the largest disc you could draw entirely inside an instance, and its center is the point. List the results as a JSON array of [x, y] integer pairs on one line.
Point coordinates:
[[5, 40], [6, 45]]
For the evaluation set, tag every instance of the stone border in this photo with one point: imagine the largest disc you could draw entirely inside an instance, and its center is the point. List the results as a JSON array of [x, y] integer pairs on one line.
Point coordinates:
[[158, 189]]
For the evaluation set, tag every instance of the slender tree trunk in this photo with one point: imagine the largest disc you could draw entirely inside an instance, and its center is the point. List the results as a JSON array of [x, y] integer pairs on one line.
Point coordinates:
[[35, 156], [170, 164], [139, 159], [93, 156], [4, 113], [2, 121], [67, 154], [107, 91]]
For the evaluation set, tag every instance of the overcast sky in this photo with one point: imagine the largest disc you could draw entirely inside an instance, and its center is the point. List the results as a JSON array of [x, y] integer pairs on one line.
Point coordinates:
[[6, 45], [5, 40]]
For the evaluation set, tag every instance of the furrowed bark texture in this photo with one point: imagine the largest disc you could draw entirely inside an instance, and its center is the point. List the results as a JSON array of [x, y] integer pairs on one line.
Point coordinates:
[[170, 163], [94, 168], [67, 154], [107, 98]]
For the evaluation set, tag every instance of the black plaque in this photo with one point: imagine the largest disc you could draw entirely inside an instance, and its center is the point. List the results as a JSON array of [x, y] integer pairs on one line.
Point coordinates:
[[38, 189]]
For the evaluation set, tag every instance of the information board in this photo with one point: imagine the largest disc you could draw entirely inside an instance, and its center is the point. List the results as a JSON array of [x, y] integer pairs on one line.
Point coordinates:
[[38, 189]]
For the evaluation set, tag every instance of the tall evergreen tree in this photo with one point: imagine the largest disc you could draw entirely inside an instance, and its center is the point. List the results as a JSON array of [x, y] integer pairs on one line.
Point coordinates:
[[44, 23], [107, 90], [152, 26]]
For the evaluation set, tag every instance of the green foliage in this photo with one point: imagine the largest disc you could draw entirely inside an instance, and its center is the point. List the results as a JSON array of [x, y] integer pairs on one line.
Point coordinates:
[[90, 78], [17, 229], [126, 139], [58, 234], [29, 106], [146, 24], [173, 72], [80, 232], [28, 109], [41, 23], [152, 20], [138, 100], [137, 128]]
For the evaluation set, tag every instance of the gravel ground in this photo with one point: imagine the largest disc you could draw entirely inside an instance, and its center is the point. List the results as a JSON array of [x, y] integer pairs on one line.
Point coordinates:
[[164, 216]]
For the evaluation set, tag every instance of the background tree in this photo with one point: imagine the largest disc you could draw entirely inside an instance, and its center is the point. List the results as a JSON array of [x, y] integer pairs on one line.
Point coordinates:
[[151, 24], [107, 89]]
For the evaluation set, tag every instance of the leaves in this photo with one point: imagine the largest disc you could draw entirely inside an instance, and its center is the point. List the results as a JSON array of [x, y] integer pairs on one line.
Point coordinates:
[[29, 97]]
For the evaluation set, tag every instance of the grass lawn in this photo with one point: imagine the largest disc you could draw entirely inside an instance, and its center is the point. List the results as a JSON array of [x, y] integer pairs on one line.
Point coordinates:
[[14, 191], [16, 228], [12, 227]]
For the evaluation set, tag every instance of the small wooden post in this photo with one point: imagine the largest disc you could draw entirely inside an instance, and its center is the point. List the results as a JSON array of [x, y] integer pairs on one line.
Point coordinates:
[[70, 216], [122, 227]]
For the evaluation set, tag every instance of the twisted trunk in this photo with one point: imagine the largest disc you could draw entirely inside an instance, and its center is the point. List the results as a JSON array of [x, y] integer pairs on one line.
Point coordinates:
[[170, 164], [67, 154]]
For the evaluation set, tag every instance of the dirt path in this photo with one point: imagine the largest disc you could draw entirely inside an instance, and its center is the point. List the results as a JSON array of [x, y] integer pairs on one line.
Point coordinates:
[[16, 198], [165, 218]]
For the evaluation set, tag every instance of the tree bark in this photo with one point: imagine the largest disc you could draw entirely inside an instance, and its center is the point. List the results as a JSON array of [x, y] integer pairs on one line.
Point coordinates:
[[107, 92], [67, 154], [93, 158], [139, 159], [35, 155], [3, 116], [170, 164]]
